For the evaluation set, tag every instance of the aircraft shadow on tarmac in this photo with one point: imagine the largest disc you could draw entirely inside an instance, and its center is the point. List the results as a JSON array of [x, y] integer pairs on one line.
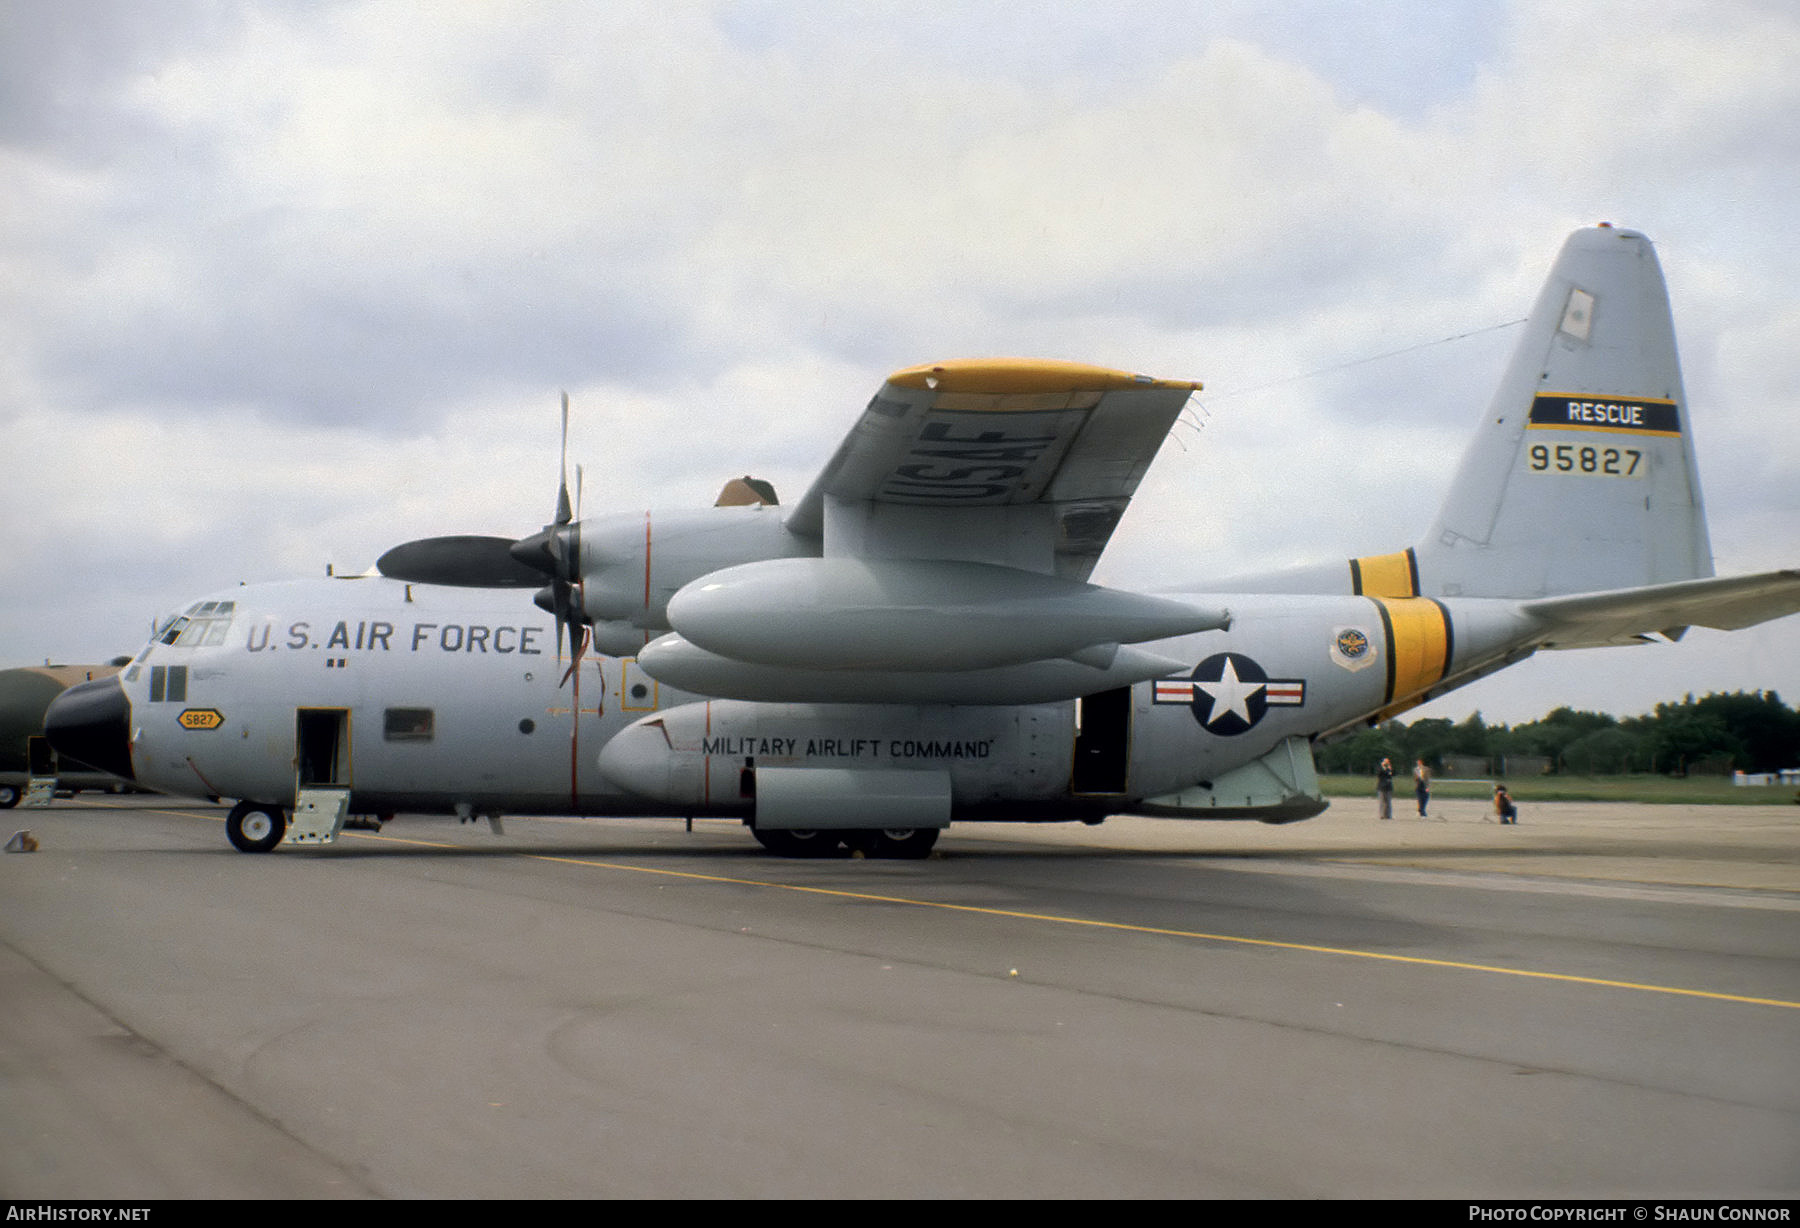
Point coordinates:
[[718, 842]]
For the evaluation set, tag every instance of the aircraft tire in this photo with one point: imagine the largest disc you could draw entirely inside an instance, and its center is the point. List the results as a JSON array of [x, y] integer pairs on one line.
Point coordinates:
[[255, 828], [797, 841], [897, 843], [9, 796]]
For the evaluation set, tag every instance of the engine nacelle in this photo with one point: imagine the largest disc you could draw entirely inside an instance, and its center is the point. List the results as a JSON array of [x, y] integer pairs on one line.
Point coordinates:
[[618, 638], [633, 562]]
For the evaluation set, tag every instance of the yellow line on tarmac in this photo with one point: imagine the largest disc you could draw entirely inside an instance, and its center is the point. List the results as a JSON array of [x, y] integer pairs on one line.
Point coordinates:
[[1090, 923], [1128, 927]]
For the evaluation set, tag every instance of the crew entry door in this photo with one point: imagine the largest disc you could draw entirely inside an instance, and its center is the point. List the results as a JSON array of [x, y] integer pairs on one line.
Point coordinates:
[[321, 775]]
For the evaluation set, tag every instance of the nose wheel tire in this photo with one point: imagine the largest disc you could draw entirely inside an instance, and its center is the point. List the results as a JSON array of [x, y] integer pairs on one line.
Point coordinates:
[[9, 796], [254, 827]]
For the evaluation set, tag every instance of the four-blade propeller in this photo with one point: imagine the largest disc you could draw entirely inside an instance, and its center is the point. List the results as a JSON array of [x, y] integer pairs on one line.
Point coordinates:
[[499, 562]]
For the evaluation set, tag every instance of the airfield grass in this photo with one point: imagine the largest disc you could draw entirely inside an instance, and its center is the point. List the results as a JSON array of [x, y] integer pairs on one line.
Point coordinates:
[[1666, 790]]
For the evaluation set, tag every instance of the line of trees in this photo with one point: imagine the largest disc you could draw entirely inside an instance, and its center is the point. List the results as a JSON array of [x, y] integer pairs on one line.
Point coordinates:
[[1720, 733]]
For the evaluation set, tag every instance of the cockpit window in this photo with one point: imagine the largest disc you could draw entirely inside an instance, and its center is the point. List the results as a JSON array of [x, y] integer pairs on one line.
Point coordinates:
[[204, 625]]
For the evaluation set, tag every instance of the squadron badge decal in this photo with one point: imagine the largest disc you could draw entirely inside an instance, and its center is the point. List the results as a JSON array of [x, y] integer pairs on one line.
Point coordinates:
[[1352, 649], [1229, 693]]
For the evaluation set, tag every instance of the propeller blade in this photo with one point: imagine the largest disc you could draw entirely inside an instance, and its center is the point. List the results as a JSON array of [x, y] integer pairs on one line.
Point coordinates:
[[463, 561], [577, 631], [578, 642], [555, 551], [559, 606], [563, 514]]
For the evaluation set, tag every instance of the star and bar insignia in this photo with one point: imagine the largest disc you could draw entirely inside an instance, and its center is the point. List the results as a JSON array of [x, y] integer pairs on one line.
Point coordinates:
[[1230, 693]]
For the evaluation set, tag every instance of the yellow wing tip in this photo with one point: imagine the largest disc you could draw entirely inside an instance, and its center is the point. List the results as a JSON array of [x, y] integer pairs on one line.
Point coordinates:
[[1007, 376]]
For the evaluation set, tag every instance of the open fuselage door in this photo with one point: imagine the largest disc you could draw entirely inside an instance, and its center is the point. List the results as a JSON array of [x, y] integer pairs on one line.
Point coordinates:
[[322, 774], [1102, 743], [40, 783]]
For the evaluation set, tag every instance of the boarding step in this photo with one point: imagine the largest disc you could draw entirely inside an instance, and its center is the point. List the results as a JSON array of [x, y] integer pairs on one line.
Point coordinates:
[[318, 816]]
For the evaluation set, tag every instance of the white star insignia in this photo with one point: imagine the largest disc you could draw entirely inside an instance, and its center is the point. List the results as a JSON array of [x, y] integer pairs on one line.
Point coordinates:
[[1229, 694]]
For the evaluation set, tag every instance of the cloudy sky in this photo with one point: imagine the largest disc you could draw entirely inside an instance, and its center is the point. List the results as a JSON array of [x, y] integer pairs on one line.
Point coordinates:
[[284, 284]]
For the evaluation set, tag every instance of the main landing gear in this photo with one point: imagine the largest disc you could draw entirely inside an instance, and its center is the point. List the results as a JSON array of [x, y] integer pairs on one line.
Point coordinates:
[[895, 843], [255, 827]]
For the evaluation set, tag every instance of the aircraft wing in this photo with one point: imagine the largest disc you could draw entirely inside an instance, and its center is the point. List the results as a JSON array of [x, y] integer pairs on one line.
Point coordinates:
[[1727, 603], [1018, 462]]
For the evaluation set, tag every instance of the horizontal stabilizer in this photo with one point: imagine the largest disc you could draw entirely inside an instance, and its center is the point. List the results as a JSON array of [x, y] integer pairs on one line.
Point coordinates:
[[1726, 604]]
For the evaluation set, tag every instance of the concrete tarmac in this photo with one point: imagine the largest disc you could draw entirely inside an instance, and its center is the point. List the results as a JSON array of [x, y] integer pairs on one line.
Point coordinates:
[[1602, 1001]]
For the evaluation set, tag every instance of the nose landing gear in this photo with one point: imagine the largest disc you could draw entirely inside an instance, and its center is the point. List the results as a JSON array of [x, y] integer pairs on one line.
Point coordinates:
[[255, 827]]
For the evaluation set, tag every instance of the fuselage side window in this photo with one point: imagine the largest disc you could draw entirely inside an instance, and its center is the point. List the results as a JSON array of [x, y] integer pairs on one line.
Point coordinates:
[[168, 682], [408, 724]]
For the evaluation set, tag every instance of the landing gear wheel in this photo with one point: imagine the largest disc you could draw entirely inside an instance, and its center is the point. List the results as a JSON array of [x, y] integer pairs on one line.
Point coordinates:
[[9, 796], [797, 841], [896, 843], [254, 827]]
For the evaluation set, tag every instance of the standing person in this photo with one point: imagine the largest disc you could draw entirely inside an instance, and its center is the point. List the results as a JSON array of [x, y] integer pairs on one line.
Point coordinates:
[[1503, 805], [1384, 789], [1422, 785]]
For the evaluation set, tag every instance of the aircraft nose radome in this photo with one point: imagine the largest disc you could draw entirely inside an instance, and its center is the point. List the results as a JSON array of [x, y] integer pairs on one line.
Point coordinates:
[[91, 722]]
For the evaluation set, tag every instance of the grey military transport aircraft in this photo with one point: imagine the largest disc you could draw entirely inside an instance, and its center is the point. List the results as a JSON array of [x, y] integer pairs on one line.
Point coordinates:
[[915, 642]]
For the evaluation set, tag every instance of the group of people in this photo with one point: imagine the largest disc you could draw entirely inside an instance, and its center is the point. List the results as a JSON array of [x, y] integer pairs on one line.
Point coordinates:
[[1504, 808]]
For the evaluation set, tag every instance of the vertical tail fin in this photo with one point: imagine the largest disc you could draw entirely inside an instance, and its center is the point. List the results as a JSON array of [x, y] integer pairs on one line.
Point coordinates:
[[1581, 476]]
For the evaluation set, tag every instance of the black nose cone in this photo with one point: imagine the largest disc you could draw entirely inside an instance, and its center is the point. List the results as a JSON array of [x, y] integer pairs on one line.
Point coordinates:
[[91, 723]]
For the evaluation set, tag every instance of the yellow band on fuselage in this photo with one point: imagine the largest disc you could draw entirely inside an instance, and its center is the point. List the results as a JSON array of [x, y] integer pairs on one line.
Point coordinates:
[[1419, 644]]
